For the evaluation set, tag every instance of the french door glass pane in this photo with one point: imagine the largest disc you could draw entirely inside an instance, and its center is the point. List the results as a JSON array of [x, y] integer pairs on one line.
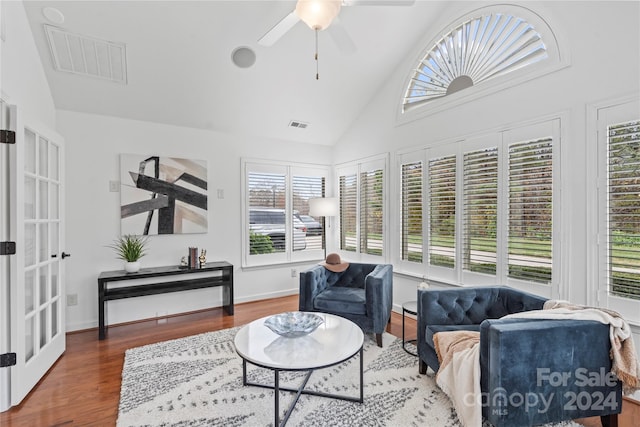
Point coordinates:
[[29, 197], [43, 240], [54, 207], [43, 328], [55, 236], [30, 152], [43, 196], [44, 294], [29, 291], [54, 318], [43, 154], [29, 334], [29, 244], [55, 283]]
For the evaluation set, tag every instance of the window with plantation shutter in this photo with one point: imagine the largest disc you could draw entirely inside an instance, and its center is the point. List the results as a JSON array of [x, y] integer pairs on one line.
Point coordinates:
[[371, 212], [348, 212], [411, 211], [362, 206], [442, 211], [486, 215], [266, 196], [276, 226], [530, 216], [623, 209], [305, 188], [479, 234]]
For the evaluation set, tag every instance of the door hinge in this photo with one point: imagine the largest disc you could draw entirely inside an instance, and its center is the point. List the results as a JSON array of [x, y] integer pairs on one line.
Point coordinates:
[[7, 359], [7, 248], [7, 136]]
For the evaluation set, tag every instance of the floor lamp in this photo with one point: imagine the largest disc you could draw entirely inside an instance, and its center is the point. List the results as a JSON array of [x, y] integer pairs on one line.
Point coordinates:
[[324, 207]]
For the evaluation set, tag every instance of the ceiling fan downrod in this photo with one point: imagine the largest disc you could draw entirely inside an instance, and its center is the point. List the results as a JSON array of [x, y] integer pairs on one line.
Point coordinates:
[[317, 66]]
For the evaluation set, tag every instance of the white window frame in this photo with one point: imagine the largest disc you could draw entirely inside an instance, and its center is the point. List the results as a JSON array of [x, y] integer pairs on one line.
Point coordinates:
[[599, 117], [289, 170], [358, 167]]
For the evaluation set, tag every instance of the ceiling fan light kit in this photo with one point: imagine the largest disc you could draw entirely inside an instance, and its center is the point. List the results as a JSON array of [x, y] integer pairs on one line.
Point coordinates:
[[318, 14]]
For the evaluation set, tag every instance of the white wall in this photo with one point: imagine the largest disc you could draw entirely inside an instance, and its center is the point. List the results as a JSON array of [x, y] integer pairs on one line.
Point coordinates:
[[93, 146], [602, 40], [22, 78]]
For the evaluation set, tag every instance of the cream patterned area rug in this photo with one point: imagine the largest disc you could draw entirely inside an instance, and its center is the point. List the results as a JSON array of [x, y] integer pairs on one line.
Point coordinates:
[[197, 381]]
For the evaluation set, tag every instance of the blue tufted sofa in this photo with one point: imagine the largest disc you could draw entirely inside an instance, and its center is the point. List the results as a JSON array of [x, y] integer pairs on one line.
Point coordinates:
[[532, 371], [362, 293]]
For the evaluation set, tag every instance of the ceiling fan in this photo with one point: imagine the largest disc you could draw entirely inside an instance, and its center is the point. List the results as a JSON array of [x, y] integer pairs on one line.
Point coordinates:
[[319, 15]]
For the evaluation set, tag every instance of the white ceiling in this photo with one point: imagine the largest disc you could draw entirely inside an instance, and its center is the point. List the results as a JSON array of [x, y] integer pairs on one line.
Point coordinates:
[[180, 70]]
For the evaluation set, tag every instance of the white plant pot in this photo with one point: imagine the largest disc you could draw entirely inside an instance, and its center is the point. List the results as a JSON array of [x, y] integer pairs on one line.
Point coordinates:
[[132, 267]]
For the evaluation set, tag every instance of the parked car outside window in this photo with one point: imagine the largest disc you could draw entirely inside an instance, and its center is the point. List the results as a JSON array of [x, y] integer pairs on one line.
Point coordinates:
[[271, 222], [314, 228]]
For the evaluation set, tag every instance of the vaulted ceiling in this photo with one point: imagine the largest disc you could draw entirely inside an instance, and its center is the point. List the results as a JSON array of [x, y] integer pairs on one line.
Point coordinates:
[[180, 71]]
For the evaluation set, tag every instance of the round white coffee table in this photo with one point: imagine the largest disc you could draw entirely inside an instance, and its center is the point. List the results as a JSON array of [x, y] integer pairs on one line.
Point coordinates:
[[333, 342]]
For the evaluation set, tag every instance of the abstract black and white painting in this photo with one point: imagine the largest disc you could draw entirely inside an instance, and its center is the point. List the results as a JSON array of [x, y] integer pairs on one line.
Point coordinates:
[[162, 195]]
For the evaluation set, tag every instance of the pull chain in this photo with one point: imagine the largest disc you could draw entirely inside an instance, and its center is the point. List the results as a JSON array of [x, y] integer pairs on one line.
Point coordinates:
[[317, 66]]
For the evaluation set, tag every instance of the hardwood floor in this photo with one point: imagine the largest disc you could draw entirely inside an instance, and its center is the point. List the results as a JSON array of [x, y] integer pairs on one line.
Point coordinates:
[[83, 387]]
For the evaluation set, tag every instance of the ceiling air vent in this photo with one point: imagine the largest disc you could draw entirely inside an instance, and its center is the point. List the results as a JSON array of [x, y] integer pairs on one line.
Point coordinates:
[[297, 124], [88, 56]]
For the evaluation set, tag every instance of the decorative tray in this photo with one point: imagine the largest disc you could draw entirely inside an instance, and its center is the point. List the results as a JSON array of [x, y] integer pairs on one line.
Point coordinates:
[[294, 323]]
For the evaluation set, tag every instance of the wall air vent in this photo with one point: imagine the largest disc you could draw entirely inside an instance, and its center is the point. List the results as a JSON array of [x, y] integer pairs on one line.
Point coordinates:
[[297, 124], [87, 56]]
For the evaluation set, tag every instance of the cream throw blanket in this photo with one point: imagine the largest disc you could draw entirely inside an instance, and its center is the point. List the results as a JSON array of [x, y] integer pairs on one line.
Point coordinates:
[[459, 374], [623, 354]]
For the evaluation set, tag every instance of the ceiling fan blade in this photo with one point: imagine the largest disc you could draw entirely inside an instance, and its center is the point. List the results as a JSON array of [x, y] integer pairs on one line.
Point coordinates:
[[378, 2], [341, 37], [279, 30]]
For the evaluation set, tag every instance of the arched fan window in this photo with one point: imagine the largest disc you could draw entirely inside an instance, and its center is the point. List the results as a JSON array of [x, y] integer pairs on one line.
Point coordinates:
[[490, 45]]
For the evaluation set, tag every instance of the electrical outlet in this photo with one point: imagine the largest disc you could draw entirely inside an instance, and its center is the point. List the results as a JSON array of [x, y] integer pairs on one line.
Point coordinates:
[[220, 193], [294, 272], [114, 186], [72, 299]]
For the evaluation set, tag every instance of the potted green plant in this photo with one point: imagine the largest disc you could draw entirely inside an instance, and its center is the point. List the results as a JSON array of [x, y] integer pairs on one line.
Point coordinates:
[[130, 248]]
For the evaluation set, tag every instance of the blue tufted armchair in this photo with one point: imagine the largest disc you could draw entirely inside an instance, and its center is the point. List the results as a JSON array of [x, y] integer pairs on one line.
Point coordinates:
[[362, 293], [531, 371]]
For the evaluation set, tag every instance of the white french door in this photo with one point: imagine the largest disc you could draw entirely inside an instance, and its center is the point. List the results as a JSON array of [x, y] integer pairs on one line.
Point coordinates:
[[37, 275]]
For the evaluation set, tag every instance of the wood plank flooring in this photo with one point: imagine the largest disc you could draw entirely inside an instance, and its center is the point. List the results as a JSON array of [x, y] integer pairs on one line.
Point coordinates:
[[83, 387]]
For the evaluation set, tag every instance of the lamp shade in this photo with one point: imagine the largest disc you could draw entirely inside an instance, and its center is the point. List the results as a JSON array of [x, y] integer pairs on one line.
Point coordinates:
[[318, 14], [324, 206]]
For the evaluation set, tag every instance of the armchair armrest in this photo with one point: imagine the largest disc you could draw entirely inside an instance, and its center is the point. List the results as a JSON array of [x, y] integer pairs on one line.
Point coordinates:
[[561, 368], [312, 282], [378, 287]]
